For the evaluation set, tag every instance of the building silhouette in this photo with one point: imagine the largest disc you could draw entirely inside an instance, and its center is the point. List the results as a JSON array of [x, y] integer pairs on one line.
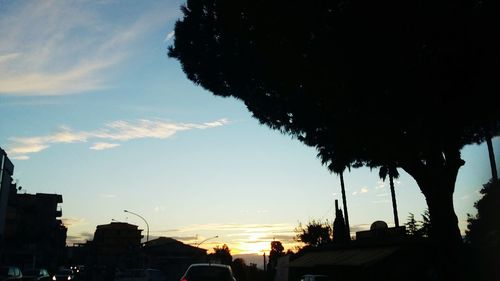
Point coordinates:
[[32, 233], [172, 256], [6, 172], [117, 244]]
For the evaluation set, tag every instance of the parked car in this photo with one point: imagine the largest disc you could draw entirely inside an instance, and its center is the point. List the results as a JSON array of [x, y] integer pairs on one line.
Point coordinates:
[[65, 274], [147, 274], [208, 272], [11, 273], [315, 277], [36, 274]]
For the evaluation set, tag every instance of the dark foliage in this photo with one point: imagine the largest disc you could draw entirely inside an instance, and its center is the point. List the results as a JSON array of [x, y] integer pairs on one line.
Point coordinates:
[[315, 233], [277, 250], [483, 232], [244, 272], [484, 228], [412, 225], [221, 254], [418, 228]]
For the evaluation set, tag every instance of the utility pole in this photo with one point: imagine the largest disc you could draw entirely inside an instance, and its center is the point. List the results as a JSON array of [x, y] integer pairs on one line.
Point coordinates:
[[264, 261]]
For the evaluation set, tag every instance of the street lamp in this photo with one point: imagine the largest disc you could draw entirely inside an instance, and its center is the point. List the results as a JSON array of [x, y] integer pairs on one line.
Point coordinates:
[[216, 236], [147, 225]]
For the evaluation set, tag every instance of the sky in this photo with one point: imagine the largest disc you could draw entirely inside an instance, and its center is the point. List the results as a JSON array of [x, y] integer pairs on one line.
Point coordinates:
[[94, 109]]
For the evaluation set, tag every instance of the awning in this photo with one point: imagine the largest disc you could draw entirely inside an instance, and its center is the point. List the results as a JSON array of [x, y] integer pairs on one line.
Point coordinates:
[[344, 257]]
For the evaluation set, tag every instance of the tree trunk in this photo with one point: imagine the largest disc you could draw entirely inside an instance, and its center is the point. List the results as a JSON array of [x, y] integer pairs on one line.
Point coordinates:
[[491, 154], [445, 232], [444, 221], [344, 201], [394, 206], [436, 178]]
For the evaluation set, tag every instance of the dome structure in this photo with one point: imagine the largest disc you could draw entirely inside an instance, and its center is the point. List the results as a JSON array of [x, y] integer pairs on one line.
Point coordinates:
[[378, 225]]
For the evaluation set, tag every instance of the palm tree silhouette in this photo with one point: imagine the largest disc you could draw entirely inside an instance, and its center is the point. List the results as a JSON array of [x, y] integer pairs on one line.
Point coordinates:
[[391, 171]]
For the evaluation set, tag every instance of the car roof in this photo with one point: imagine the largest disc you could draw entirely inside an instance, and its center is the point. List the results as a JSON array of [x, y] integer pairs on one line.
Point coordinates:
[[209, 264]]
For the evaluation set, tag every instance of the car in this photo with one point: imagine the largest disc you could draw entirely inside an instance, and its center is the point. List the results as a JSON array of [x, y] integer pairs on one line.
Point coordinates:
[[65, 274], [208, 272], [11, 273], [147, 274], [36, 274], [315, 277]]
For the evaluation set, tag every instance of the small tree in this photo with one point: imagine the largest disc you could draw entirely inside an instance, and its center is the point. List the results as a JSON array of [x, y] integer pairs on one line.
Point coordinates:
[[412, 226], [425, 224], [315, 233], [221, 254], [277, 250], [419, 228]]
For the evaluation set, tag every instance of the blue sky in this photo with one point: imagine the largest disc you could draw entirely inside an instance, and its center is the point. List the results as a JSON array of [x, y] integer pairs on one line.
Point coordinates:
[[93, 109]]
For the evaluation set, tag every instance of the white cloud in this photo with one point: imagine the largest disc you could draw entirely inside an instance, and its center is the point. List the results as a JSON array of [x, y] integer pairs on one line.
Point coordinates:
[[103, 145], [22, 157], [122, 131], [169, 36], [380, 184], [7, 57], [63, 47], [364, 189], [72, 222], [26, 147]]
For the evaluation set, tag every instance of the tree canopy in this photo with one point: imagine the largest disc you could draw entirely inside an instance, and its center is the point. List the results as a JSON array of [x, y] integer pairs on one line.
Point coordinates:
[[384, 80], [221, 254], [315, 233], [407, 83]]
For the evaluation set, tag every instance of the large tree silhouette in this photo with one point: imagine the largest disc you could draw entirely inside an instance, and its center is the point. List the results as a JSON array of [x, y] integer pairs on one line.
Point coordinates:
[[366, 83]]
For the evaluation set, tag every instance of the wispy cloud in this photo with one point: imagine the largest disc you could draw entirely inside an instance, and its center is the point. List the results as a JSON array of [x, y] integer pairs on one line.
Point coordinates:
[[79, 237], [359, 227], [21, 147], [63, 47], [72, 222], [103, 145], [380, 184]]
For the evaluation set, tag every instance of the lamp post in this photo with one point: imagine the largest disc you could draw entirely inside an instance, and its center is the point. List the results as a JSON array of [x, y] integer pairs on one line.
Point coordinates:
[[216, 236], [147, 225]]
